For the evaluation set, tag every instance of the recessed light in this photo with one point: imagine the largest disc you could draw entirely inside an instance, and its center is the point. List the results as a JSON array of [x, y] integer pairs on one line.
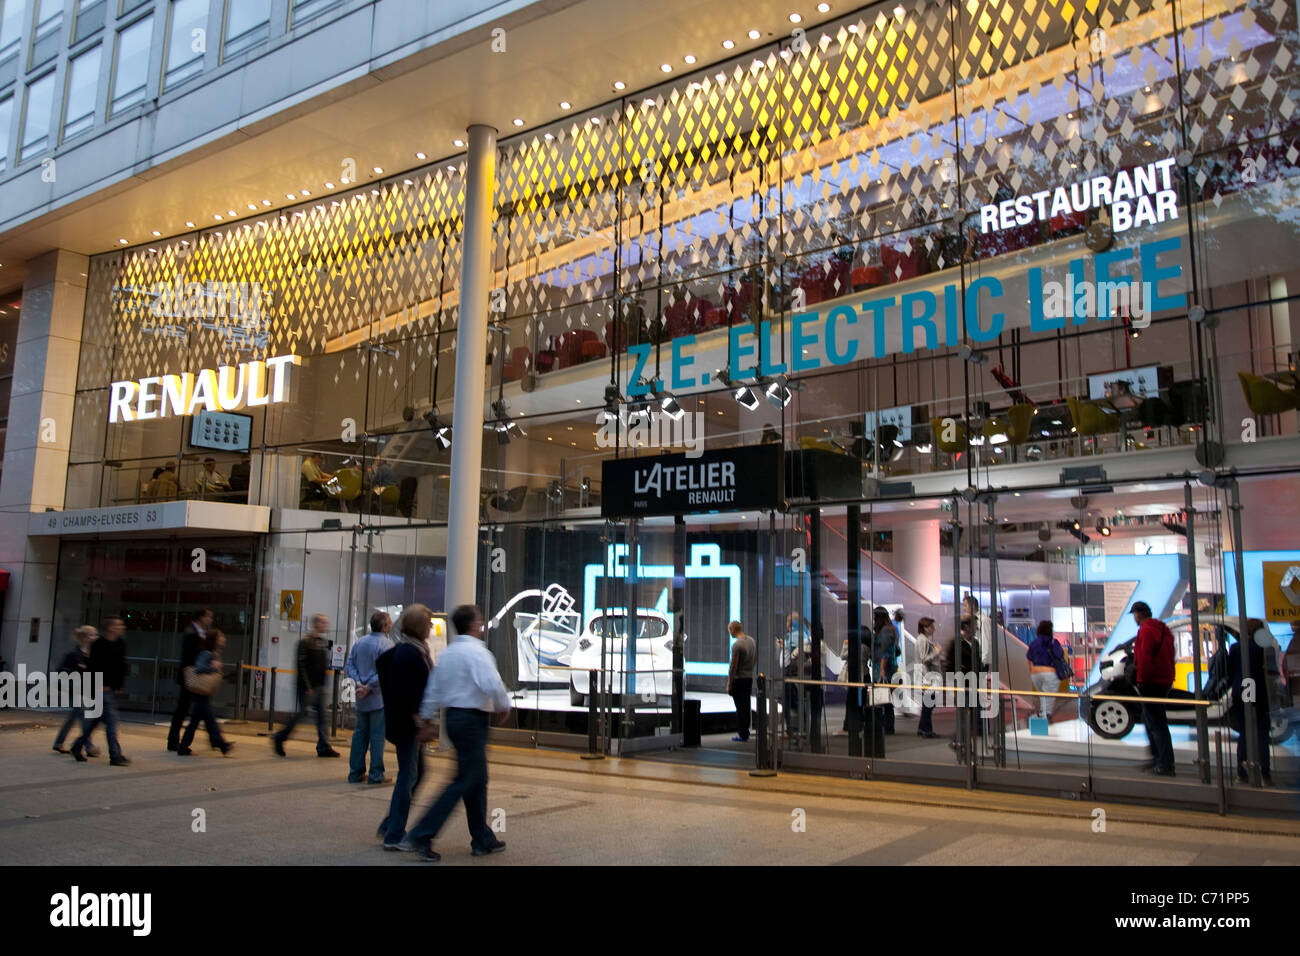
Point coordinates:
[[754, 34], [689, 58], [408, 182], [419, 155], [122, 241], [157, 233], [189, 224], [252, 205], [379, 170], [290, 196], [230, 212], [565, 105], [620, 85], [517, 121], [795, 18], [853, 28], [217, 216], [329, 185], [266, 202], [666, 67], [595, 121], [823, 8], [728, 44], [458, 142]]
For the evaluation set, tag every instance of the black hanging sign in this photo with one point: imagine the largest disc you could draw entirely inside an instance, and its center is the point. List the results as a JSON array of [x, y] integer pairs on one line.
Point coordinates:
[[726, 479]]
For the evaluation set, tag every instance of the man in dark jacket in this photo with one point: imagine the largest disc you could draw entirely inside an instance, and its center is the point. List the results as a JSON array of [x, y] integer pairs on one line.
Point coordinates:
[[200, 621], [107, 657], [76, 662], [313, 662], [1153, 654], [403, 673]]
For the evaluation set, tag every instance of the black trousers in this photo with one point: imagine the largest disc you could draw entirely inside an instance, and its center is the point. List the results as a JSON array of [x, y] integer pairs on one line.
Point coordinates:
[[184, 704], [740, 690]]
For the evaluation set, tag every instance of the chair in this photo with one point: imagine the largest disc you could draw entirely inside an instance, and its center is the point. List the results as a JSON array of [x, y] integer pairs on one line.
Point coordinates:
[[517, 364], [1090, 418], [1265, 397], [867, 277], [959, 440], [345, 486]]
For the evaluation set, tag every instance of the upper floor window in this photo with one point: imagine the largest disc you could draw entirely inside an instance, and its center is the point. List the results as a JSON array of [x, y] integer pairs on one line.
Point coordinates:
[[38, 112], [11, 25], [6, 117], [90, 17], [186, 40], [126, 6], [46, 31], [248, 22], [83, 92], [131, 65], [306, 9]]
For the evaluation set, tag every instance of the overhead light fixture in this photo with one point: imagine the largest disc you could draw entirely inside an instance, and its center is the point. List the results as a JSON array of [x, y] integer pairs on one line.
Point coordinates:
[[779, 394], [747, 397], [517, 121], [665, 67], [458, 143], [252, 206], [441, 431], [795, 18], [620, 85], [122, 241], [754, 34], [722, 375], [689, 58], [1103, 529], [728, 44], [190, 224], [671, 407], [500, 408], [823, 8], [565, 105], [419, 155]]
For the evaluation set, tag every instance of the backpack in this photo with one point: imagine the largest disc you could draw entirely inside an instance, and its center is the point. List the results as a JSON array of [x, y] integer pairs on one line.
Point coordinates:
[[1062, 666]]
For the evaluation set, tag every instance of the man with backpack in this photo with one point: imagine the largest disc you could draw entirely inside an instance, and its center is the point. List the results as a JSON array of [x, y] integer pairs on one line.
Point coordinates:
[[1153, 654]]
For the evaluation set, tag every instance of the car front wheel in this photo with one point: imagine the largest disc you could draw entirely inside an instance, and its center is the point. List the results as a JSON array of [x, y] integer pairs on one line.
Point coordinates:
[[1279, 729], [1112, 719]]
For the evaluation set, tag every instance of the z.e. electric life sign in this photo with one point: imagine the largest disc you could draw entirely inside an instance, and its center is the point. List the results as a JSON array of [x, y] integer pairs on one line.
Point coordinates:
[[226, 389], [729, 479]]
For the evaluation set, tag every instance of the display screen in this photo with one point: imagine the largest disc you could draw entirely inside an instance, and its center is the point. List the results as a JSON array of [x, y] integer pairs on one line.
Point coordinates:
[[223, 431], [1142, 382]]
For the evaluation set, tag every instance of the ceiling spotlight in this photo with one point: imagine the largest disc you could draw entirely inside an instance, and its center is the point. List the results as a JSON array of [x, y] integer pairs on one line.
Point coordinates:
[[500, 407], [441, 431], [1103, 529], [747, 397], [620, 85], [666, 67], [565, 105], [689, 58], [122, 241], [754, 34], [823, 8], [728, 44], [190, 224], [795, 18], [458, 143], [517, 121], [722, 375], [157, 233], [671, 407], [778, 394], [252, 205], [379, 170], [419, 155]]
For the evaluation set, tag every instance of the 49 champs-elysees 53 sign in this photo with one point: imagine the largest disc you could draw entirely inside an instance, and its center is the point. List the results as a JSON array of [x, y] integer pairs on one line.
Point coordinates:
[[726, 479]]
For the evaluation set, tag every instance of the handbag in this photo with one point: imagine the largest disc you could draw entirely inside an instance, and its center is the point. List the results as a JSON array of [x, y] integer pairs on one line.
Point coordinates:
[[205, 685]]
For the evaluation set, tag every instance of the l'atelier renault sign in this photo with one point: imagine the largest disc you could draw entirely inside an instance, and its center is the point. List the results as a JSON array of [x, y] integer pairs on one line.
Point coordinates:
[[728, 479]]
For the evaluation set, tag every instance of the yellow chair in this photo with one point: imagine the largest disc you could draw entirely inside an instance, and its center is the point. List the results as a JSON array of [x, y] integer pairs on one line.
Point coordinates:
[[345, 485], [959, 440], [1090, 418], [1265, 397], [1020, 418]]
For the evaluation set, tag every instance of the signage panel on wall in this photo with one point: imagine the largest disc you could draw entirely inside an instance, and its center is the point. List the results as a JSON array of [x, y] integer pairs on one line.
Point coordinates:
[[222, 431], [728, 479], [1282, 591]]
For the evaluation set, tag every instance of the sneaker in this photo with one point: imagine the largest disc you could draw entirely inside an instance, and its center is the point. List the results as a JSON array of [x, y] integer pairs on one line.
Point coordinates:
[[328, 753], [278, 746], [119, 762], [424, 853], [392, 847], [484, 851], [427, 855], [381, 780], [737, 740]]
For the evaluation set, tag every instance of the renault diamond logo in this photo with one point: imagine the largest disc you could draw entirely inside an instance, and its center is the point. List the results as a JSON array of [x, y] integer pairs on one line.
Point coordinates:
[[1291, 584]]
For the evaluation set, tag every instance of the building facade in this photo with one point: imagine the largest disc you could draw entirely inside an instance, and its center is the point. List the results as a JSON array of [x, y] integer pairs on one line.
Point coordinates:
[[919, 300]]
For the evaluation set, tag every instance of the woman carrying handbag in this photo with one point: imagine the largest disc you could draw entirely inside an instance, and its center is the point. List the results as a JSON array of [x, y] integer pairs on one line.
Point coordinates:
[[203, 680]]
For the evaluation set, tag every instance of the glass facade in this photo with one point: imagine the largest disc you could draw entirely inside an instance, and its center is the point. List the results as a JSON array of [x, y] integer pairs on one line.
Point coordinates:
[[987, 274], [83, 93], [131, 65]]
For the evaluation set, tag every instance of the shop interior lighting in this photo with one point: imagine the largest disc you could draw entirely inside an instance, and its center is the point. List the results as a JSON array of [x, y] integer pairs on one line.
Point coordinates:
[[747, 397], [565, 105], [728, 44], [689, 58], [666, 67], [458, 143], [620, 85], [517, 121], [671, 407], [419, 155], [778, 394], [795, 18], [823, 8], [1103, 529], [754, 34]]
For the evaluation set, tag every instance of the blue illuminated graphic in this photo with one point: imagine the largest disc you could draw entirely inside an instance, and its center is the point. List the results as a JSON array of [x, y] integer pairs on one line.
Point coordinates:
[[1159, 579]]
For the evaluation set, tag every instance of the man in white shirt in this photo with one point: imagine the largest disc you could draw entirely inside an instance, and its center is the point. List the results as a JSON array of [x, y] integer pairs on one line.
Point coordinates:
[[210, 479], [465, 683]]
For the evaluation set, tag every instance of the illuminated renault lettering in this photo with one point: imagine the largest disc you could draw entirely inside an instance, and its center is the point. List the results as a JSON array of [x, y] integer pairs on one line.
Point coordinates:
[[226, 388]]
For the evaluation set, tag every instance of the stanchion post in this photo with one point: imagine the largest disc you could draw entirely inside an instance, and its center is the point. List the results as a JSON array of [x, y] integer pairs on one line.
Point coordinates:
[[334, 708], [270, 705], [593, 746], [1223, 793], [763, 764], [239, 691]]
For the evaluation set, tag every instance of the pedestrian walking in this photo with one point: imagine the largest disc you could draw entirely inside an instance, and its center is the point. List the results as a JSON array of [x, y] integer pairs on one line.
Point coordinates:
[[313, 662], [1153, 653], [1046, 665], [884, 658], [466, 684], [740, 677], [191, 636], [108, 658], [929, 658], [204, 681], [369, 731], [403, 674], [75, 663]]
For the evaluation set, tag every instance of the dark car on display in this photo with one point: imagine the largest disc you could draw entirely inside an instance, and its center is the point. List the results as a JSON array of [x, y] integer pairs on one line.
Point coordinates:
[[1113, 719]]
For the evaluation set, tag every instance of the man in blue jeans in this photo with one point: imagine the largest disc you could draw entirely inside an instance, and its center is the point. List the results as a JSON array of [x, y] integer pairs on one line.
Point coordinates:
[[107, 657], [313, 664], [467, 685], [369, 732]]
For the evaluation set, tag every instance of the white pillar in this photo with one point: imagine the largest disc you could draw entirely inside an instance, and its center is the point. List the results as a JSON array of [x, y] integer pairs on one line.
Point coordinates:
[[916, 556], [471, 357]]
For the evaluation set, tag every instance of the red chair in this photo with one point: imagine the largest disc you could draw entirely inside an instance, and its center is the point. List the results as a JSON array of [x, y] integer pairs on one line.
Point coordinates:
[[713, 318], [866, 277], [568, 350], [900, 264], [546, 358], [517, 364], [592, 347]]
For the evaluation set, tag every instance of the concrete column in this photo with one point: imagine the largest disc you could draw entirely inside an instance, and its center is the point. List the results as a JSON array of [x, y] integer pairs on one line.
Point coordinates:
[[36, 447], [916, 556], [471, 357]]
